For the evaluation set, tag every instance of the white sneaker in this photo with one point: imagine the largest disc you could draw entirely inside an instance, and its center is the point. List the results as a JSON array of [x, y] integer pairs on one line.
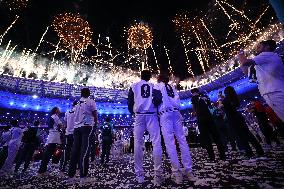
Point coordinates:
[[177, 178], [140, 179], [71, 181], [87, 181], [191, 177], [93, 162], [158, 180], [262, 158]]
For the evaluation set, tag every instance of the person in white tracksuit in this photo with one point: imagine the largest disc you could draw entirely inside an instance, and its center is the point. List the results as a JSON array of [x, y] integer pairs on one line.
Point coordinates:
[[171, 126], [141, 104], [13, 148]]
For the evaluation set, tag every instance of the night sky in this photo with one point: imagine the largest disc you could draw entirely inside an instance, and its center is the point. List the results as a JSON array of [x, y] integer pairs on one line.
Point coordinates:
[[109, 18]]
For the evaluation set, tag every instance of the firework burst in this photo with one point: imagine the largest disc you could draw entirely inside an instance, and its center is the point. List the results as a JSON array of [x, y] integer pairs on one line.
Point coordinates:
[[74, 32], [139, 36]]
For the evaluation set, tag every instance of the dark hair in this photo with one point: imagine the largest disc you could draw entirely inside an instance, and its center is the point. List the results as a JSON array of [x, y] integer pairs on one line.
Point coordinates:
[[36, 123], [232, 96], [85, 92], [271, 43], [14, 123], [107, 119], [6, 128], [75, 103], [53, 111], [194, 90], [163, 77], [146, 75]]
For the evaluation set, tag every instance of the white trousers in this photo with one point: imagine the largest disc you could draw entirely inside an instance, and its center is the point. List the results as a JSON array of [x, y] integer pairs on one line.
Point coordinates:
[[150, 123], [13, 148], [171, 125], [276, 101]]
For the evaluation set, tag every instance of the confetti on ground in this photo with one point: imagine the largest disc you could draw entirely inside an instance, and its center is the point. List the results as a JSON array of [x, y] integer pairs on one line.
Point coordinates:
[[235, 172]]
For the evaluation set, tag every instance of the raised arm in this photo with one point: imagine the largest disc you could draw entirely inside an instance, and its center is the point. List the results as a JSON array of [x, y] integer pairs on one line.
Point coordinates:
[[245, 62]]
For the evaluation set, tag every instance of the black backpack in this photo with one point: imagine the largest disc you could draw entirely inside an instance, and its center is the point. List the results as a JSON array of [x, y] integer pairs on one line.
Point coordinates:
[[106, 132], [204, 102], [218, 113]]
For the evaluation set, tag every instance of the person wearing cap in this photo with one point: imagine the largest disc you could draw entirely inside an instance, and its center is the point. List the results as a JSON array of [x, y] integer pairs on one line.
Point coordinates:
[[269, 73]]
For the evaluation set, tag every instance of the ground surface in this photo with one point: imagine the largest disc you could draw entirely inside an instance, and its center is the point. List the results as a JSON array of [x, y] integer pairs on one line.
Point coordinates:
[[236, 172]]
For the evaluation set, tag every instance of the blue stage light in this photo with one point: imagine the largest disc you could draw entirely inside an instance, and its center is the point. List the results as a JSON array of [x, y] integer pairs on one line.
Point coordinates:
[[35, 96]]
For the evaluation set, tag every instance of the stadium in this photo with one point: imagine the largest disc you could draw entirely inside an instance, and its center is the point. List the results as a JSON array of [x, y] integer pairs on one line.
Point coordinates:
[[38, 75]]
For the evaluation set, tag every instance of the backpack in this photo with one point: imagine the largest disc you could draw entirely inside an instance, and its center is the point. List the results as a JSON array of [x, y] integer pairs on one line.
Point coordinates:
[[204, 102], [106, 132], [218, 113]]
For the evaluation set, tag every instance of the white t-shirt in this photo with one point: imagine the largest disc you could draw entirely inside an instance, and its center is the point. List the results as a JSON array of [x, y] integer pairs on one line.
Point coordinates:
[[170, 96], [69, 119], [143, 91], [84, 112], [54, 134], [269, 72]]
